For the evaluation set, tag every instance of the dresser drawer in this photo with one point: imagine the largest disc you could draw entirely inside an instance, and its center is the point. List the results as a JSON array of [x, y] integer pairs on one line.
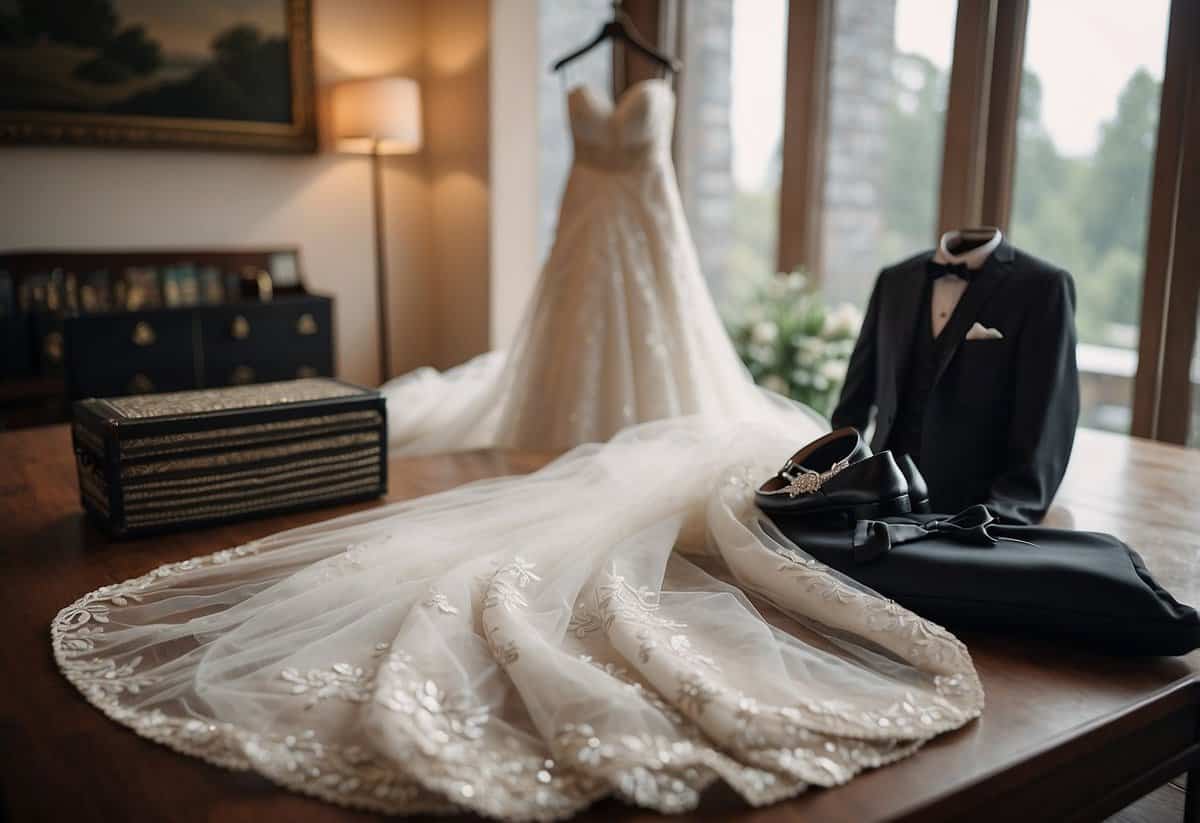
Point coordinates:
[[136, 379], [117, 354], [261, 342], [206, 347], [147, 337], [265, 330], [267, 369]]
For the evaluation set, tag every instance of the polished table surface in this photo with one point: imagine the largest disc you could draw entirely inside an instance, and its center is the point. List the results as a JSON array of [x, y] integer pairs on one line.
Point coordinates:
[[1065, 733]]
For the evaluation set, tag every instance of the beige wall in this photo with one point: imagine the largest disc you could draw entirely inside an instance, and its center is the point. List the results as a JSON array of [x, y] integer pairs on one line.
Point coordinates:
[[515, 66], [457, 118], [119, 198]]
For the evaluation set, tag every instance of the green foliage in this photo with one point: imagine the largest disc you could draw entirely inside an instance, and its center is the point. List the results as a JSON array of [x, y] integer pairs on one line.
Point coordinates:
[[1115, 195], [247, 79], [790, 340], [1089, 214], [128, 53]]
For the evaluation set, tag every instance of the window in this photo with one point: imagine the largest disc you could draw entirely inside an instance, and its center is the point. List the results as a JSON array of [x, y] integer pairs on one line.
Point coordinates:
[[888, 80], [731, 128], [1053, 134], [1086, 129]]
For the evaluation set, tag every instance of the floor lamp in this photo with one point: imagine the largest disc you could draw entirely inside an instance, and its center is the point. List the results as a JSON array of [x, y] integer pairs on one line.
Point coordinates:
[[376, 117]]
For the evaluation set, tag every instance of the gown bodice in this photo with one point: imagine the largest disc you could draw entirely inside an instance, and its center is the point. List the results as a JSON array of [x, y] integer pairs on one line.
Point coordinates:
[[621, 136]]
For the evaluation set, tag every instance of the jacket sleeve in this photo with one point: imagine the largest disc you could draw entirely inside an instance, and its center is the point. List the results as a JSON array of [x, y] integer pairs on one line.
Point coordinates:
[[1046, 409], [858, 391]]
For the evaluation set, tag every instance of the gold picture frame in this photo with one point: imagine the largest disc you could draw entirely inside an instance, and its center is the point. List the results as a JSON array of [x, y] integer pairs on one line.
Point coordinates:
[[102, 128]]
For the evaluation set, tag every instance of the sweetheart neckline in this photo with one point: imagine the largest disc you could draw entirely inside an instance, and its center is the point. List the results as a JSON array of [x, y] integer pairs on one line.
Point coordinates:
[[610, 107]]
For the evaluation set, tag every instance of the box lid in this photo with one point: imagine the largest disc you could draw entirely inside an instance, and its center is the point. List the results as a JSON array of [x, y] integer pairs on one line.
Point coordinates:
[[210, 408]]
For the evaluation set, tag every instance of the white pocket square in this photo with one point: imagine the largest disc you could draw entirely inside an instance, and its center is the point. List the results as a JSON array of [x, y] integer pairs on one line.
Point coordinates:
[[981, 332]]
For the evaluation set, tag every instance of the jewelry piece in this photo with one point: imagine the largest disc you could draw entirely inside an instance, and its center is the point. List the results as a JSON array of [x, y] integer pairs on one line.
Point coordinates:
[[803, 480]]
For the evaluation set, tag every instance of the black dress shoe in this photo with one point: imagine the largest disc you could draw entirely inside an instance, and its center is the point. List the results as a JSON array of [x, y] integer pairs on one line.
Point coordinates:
[[870, 488], [918, 490], [827, 454]]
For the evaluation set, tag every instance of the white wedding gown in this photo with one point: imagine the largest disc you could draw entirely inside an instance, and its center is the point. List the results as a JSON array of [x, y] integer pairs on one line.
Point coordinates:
[[621, 623], [621, 328]]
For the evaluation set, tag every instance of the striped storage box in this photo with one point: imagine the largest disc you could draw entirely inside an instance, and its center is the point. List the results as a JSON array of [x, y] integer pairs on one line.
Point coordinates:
[[160, 462]]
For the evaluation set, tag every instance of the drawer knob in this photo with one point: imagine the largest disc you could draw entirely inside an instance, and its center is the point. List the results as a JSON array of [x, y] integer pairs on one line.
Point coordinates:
[[241, 375], [239, 328], [52, 345], [306, 325], [140, 384], [143, 334], [306, 371]]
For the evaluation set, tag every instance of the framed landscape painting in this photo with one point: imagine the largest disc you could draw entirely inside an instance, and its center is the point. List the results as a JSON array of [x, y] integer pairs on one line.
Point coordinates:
[[232, 74]]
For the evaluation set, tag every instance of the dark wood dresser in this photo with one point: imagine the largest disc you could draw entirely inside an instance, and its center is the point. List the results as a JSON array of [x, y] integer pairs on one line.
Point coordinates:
[[107, 355], [108, 324]]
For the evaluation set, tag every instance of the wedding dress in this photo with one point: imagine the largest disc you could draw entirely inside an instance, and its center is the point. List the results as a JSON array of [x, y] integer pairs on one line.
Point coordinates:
[[623, 622], [621, 327]]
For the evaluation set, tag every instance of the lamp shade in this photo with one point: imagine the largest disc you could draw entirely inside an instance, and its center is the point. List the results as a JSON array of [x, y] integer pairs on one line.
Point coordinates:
[[378, 115]]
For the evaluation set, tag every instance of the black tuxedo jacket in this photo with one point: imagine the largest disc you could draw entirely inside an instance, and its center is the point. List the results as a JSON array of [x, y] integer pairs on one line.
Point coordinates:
[[1000, 418]]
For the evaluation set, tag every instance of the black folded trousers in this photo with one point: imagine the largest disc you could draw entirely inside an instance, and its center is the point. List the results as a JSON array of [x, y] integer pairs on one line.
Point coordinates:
[[1085, 587]]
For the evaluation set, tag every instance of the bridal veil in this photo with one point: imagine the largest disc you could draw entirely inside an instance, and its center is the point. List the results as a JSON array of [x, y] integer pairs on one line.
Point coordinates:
[[610, 625]]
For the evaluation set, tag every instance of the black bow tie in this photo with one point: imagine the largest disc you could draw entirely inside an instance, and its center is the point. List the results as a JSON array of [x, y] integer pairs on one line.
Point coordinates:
[[874, 538], [936, 270]]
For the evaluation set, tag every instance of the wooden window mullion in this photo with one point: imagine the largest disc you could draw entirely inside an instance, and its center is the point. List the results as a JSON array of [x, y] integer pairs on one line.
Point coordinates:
[[963, 160], [1162, 387], [806, 95], [1008, 56], [648, 18]]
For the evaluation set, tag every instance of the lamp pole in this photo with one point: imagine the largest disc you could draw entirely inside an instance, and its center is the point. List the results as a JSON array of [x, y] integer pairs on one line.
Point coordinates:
[[381, 290]]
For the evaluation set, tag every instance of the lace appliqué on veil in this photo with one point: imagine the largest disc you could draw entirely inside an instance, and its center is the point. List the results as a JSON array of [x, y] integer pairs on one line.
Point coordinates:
[[350, 776]]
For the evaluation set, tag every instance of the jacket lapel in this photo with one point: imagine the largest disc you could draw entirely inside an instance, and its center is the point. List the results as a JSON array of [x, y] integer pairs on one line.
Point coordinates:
[[993, 273], [902, 321]]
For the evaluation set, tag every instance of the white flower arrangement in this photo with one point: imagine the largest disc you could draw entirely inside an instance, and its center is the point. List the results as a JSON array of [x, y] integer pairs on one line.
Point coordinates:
[[791, 341]]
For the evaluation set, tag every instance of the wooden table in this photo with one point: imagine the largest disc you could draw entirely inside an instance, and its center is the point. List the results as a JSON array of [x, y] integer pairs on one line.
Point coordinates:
[[1065, 735]]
